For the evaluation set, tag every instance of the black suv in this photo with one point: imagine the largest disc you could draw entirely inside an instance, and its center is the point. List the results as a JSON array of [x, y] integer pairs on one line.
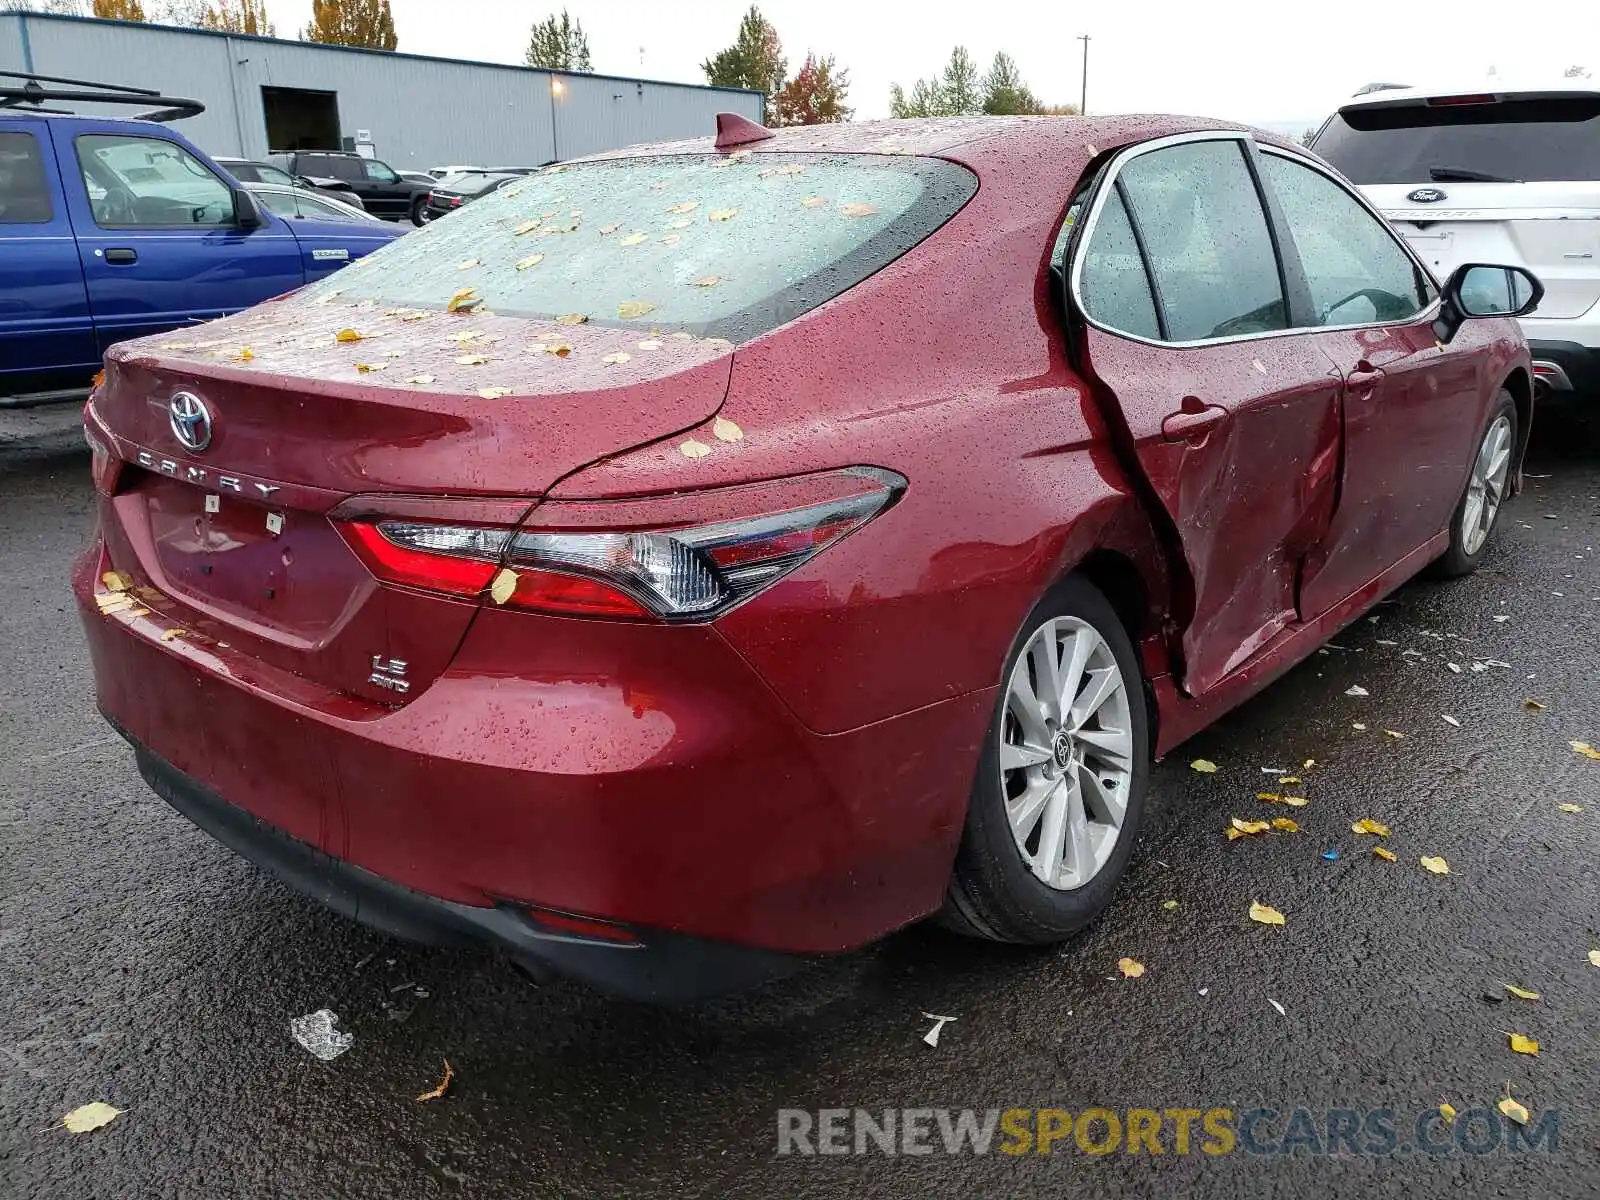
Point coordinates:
[[383, 192]]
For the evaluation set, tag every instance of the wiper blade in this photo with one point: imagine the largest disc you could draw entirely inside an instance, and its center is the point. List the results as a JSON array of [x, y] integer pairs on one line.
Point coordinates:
[[1463, 175]]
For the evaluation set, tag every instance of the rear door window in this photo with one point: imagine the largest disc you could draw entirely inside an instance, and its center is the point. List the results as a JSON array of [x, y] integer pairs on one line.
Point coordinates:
[[331, 166], [1113, 284], [1205, 234], [24, 188], [1545, 140], [710, 245]]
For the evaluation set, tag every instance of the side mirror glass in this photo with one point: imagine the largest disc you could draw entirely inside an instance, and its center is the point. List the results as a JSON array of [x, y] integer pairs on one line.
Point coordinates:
[[247, 212], [1486, 290]]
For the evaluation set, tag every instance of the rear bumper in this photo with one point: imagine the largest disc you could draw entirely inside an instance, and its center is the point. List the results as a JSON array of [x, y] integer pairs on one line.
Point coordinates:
[[1566, 367], [659, 967]]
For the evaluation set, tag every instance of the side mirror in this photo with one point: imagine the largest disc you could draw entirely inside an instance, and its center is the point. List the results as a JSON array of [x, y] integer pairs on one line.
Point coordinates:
[[1485, 290], [247, 211]]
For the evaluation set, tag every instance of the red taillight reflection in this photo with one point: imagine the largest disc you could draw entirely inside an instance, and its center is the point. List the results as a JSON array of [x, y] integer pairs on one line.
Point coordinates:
[[587, 928], [416, 568]]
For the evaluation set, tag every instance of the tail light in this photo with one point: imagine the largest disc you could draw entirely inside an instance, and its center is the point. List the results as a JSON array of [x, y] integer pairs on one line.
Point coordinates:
[[611, 559]]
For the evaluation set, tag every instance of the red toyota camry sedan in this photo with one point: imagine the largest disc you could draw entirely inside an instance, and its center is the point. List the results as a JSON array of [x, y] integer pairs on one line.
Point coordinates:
[[714, 554]]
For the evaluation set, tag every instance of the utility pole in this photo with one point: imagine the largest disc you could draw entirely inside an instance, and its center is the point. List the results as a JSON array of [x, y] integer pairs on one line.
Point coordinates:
[[1083, 94]]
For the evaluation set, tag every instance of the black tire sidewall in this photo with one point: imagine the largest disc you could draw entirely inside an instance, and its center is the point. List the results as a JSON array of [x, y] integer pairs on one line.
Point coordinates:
[[1013, 904]]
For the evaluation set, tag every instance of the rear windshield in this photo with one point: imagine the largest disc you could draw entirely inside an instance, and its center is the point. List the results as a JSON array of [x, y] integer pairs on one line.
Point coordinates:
[[713, 246], [1511, 140], [474, 184]]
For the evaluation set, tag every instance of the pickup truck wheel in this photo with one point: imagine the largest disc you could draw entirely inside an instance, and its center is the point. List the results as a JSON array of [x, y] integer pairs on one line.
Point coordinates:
[[1061, 782], [419, 211]]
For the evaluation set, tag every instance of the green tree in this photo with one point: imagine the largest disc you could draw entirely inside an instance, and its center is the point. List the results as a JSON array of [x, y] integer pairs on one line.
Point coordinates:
[[1004, 92], [960, 94], [367, 23], [755, 60], [815, 96], [559, 44]]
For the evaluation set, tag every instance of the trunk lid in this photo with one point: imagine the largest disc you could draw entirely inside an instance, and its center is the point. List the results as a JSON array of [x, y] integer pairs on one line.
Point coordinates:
[[232, 537]]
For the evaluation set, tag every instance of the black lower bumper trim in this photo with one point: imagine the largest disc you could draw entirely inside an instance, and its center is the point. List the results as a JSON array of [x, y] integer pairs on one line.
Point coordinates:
[[662, 968], [1581, 364]]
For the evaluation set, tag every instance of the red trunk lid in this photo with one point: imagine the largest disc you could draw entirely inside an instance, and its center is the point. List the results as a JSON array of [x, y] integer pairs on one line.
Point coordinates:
[[233, 538]]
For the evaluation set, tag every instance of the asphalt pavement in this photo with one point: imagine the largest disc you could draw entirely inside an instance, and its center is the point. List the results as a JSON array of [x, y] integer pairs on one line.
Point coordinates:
[[144, 965]]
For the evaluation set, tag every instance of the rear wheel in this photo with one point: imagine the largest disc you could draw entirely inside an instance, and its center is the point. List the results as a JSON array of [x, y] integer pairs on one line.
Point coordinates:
[[1061, 782], [1487, 486], [419, 211]]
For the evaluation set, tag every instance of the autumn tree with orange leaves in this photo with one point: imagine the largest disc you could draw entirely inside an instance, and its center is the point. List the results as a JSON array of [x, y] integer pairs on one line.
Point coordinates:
[[119, 10], [367, 23], [245, 16], [815, 96]]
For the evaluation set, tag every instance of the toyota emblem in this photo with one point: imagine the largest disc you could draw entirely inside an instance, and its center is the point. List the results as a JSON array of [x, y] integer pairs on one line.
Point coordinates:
[[1426, 196], [190, 420]]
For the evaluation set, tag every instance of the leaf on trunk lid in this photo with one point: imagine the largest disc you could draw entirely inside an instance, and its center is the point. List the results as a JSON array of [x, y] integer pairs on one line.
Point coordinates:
[[171, 635], [116, 581], [694, 449], [684, 206], [464, 300], [526, 227], [630, 309], [462, 337], [671, 239], [494, 393], [617, 358], [503, 585], [348, 335], [245, 354], [857, 210], [633, 239], [363, 368], [1265, 914], [559, 349], [533, 260], [572, 319], [88, 1117], [650, 344], [467, 264], [1368, 825], [707, 281], [420, 379], [725, 430], [607, 230], [722, 214], [813, 202], [472, 360]]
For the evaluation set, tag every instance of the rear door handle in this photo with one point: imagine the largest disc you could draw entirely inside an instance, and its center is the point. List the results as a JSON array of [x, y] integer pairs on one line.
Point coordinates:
[[1188, 424], [1364, 377], [122, 255]]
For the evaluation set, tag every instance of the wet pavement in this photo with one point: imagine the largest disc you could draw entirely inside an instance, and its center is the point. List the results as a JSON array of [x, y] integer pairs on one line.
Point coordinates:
[[144, 965]]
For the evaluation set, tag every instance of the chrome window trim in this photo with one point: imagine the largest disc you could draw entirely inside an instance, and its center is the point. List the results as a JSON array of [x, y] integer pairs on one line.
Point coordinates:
[[1243, 137]]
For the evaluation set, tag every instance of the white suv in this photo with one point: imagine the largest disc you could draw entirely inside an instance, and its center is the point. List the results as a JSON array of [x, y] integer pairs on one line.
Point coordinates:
[[1492, 177]]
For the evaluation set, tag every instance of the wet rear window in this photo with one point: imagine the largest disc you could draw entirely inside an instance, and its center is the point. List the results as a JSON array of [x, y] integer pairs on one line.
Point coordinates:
[[713, 246]]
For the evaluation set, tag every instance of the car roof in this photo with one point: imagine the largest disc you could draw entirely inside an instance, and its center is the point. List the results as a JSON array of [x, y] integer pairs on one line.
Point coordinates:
[[1412, 96]]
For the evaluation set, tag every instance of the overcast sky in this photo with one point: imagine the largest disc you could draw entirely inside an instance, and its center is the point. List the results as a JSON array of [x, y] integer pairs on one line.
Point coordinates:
[[1243, 59]]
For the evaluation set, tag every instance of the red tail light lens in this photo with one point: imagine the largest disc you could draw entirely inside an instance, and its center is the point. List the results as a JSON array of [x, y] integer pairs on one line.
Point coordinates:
[[683, 573]]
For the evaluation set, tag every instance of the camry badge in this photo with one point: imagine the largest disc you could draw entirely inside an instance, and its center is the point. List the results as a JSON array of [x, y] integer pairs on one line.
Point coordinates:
[[190, 420], [1426, 196]]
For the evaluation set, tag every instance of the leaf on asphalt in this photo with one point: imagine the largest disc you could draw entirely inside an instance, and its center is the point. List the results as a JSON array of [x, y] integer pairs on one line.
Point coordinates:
[[1308, 764], [494, 393], [533, 260], [1356, 689], [348, 335], [1395, 734], [1368, 825], [1385, 853], [694, 449], [1586, 750], [707, 281], [472, 360], [939, 1022], [1359, 727], [463, 300], [1449, 720], [88, 1117], [572, 319], [1270, 797], [629, 309], [1594, 958], [1512, 1109], [1570, 808], [633, 239], [1435, 864], [502, 585], [684, 206], [1276, 1005], [617, 357], [725, 430], [1448, 1112], [1169, 905], [857, 210], [1290, 779], [1131, 968], [468, 263], [1238, 828], [1204, 765], [1533, 705], [1285, 825], [366, 368], [1264, 914], [1520, 993], [439, 1089], [116, 581], [1523, 1045]]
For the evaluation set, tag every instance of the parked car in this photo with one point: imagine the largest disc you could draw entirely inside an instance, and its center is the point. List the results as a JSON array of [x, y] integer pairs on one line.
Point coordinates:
[[1502, 175], [446, 197], [420, 177], [113, 229], [444, 172], [825, 529], [247, 172], [300, 204], [384, 193]]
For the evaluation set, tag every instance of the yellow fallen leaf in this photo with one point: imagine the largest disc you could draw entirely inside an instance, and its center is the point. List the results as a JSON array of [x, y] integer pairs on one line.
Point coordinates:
[[1586, 750], [364, 368], [1368, 825], [559, 349], [1594, 958], [468, 263], [683, 224], [1385, 853], [472, 360], [348, 335], [462, 300], [1308, 764], [684, 206], [116, 581], [1435, 864], [89, 1117], [494, 393], [1270, 797], [394, 353], [1570, 808], [629, 309], [617, 357], [533, 260], [572, 319], [606, 230], [650, 344], [1287, 779], [1448, 1112], [416, 314], [1265, 915], [1285, 824], [113, 602], [790, 169], [420, 379], [1296, 801], [671, 239], [1358, 727], [707, 281], [813, 201], [1512, 1109], [633, 239], [1533, 705], [694, 449], [1395, 734], [1249, 826], [526, 227], [99, 378], [246, 354], [438, 1090], [1520, 993], [857, 210], [1234, 834], [171, 635], [1169, 905], [1131, 968], [1523, 1045], [503, 585], [1204, 765], [722, 214], [725, 430]]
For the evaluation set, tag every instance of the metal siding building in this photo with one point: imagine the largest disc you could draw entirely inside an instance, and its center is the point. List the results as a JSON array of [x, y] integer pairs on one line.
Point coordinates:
[[421, 112]]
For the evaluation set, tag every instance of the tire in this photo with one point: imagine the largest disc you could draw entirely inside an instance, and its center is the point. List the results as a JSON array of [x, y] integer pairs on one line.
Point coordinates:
[[997, 887], [1483, 498], [419, 211]]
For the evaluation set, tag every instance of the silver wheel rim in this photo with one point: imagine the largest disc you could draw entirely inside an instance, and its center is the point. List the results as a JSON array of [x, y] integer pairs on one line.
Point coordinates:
[[1066, 753], [1487, 487]]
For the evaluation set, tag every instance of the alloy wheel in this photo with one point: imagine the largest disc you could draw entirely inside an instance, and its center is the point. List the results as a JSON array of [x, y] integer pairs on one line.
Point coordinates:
[[1066, 752], [1487, 487]]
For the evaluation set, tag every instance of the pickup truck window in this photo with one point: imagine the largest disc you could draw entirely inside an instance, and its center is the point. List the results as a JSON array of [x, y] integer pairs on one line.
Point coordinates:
[[24, 191], [380, 172], [143, 181]]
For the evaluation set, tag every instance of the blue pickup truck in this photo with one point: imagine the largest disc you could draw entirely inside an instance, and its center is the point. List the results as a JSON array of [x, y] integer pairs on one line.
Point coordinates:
[[113, 228]]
